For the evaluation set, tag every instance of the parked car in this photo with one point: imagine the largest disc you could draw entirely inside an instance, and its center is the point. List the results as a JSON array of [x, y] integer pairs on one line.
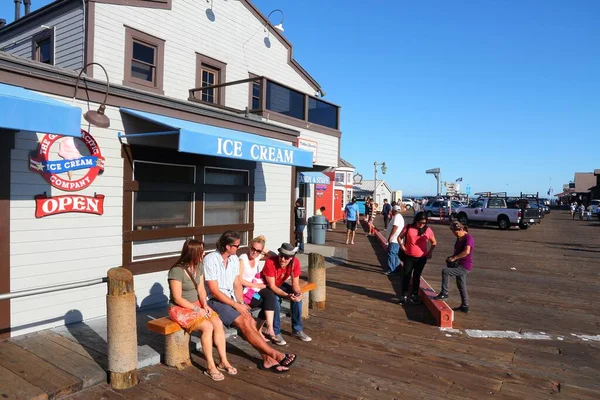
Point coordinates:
[[440, 208], [595, 206], [496, 211], [408, 203]]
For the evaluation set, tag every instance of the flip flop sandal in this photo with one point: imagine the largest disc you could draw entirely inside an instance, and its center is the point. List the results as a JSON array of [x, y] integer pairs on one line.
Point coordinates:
[[273, 369], [229, 370], [217, 376], [288, 360]]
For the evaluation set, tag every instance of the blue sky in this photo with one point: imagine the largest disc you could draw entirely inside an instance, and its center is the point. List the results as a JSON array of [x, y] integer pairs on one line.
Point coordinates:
[[505, 94]]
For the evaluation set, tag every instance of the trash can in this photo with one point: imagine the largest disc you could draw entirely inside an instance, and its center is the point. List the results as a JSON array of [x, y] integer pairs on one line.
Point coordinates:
[[308, 229], [317, 226]]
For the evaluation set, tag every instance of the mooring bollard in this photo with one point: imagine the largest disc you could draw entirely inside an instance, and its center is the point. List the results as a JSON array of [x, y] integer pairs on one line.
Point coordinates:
[[316, 274], [121, 329]]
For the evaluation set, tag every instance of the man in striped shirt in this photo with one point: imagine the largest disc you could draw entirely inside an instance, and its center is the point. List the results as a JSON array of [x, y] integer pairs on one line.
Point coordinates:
[[222, 276]]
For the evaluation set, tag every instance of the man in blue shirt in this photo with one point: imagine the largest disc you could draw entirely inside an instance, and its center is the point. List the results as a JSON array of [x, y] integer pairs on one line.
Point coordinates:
[[351, 215]]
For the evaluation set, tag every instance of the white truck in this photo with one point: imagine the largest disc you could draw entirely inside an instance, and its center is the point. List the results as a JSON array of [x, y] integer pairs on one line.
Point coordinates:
[[493, 209]]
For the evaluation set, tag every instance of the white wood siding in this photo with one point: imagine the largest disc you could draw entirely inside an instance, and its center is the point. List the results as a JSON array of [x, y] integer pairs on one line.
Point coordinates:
[[63, 248], [73, 247], [67, 23], [272, 204], [236, 38]]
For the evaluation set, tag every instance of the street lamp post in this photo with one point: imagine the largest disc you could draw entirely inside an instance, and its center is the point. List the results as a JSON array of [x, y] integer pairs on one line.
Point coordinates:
[[383, 170]]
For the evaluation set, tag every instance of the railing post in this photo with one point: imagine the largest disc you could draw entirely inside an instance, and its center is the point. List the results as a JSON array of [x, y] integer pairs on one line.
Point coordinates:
[[121, 329], [316, 274]]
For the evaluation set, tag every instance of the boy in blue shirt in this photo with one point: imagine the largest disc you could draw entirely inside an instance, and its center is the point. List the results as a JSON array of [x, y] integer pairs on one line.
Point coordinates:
[[351, 215]]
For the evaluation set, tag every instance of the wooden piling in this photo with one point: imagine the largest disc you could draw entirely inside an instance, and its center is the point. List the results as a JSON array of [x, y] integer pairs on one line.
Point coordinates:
[[316, 274], [121, 329]]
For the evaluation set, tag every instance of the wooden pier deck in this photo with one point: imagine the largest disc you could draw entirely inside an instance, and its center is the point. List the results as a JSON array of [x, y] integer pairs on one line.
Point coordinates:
[[366, 346]]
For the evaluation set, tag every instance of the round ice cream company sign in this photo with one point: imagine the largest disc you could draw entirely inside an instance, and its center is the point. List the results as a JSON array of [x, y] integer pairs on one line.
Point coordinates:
[[58, 159]]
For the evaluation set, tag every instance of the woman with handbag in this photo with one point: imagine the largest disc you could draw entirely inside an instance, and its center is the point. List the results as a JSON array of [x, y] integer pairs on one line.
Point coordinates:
[[459, 264], [188, 307], [413, 242], [255, 291]]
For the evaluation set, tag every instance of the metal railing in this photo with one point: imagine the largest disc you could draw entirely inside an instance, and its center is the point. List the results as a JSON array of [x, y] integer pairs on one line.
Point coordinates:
[[50, 289]]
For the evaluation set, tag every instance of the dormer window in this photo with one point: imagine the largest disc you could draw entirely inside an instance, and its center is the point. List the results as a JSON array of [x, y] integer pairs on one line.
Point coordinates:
[[43, 48]]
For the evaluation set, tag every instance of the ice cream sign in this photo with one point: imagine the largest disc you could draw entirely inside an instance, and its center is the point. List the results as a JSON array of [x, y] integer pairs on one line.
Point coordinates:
[[59, 172], [59, 160]]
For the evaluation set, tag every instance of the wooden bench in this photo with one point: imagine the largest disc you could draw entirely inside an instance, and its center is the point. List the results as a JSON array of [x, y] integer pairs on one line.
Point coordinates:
[[177, 341]]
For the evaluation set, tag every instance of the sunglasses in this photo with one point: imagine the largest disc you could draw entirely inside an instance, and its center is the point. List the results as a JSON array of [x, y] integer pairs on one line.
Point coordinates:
[[421, 222], [234, 245], [255, 250], [284, 256]]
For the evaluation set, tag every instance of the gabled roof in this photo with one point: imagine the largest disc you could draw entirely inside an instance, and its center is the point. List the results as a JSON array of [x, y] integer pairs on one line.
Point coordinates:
[[345, 164], [369, 185], [247, 3]]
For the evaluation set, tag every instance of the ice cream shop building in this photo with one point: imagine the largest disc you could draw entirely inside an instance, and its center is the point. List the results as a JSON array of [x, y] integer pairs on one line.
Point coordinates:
[[120, 137]]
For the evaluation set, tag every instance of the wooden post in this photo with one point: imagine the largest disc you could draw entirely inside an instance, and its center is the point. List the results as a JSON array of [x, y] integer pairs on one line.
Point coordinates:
[[316, 274], [305, 301], [121, 329], [177, 350]]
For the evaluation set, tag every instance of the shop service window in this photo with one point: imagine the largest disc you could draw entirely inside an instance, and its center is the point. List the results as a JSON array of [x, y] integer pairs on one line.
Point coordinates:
[[155, 208]]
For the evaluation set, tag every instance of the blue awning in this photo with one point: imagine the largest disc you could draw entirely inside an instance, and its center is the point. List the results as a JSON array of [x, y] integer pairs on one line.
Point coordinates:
[[196, 138], [313, 177], [25, 110]]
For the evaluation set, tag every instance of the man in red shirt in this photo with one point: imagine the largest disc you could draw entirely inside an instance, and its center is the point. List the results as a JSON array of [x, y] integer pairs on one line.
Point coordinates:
[[275, 273]]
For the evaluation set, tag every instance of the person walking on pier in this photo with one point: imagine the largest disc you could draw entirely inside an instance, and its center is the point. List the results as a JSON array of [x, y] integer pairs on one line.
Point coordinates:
[[416, 236], [352, 216], [394, 230], [386, 211]]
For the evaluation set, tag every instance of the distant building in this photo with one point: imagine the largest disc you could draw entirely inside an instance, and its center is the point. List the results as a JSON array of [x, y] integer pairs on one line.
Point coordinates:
[[335, 195], [595, 190], [366, 189]]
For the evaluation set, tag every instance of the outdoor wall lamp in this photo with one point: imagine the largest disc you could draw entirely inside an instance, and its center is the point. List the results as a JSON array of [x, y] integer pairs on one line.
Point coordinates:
[[96, 118], [279, 26]]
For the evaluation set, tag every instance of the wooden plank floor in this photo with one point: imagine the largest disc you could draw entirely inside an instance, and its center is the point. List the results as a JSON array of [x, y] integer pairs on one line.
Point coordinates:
[[365, 345]]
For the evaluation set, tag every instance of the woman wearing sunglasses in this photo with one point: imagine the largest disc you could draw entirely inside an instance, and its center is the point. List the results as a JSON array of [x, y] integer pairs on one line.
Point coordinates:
[[256, 294], [416, 237]]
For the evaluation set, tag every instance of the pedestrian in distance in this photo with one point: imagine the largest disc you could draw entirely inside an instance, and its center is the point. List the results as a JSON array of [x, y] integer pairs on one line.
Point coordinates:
[[371, 221], [459, 264], [351, 216], [573, 210], [386, 212], [413, 240], [393, 232], [300, 224]]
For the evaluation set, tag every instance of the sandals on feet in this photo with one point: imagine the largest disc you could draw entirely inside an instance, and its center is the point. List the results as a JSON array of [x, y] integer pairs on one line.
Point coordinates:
[[230, 370], [276, 369], [288, 360], [215, 376]]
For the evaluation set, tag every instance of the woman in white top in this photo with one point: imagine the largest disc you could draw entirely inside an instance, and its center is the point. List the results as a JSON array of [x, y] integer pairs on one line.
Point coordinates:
[[256, 293]]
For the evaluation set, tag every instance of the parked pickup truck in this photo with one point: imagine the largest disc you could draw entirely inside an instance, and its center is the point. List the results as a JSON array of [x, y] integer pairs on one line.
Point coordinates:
[[494, 211]]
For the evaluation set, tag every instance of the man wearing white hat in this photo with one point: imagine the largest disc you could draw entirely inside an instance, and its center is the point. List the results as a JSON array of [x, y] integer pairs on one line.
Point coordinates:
[[393, 232], [277, 270]]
